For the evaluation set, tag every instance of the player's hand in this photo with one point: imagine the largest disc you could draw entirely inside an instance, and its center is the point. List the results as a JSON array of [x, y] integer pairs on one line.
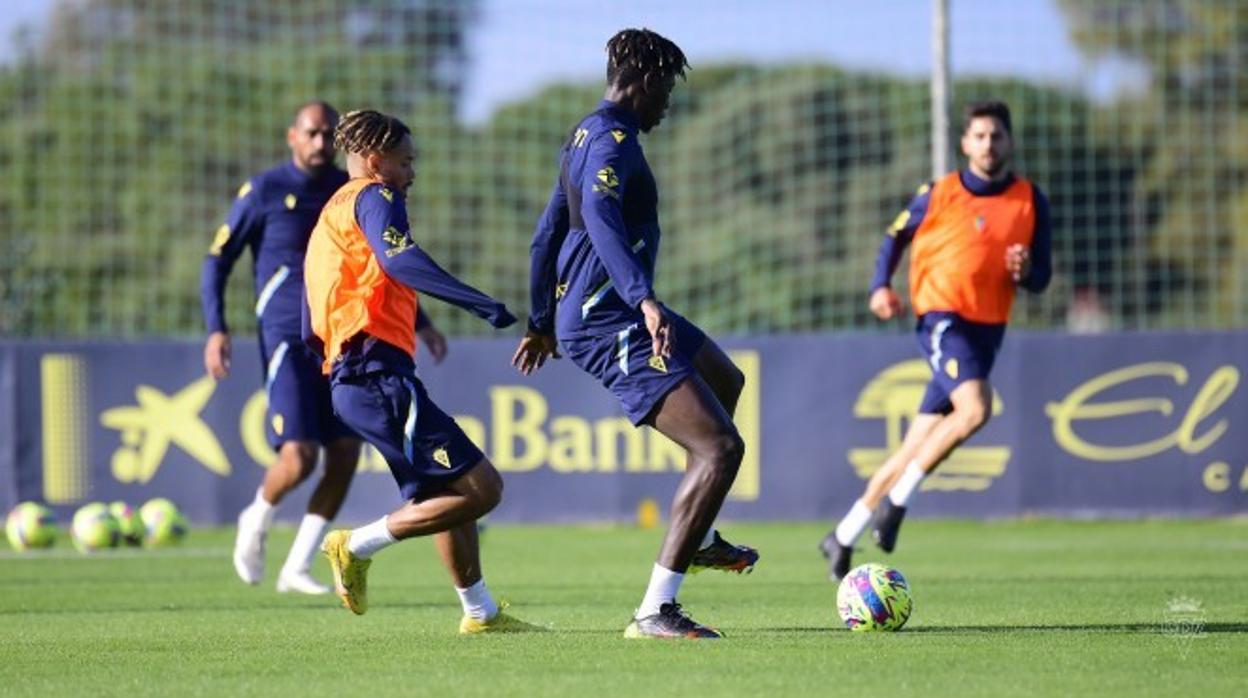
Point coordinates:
[[1018, 262], [533, 351], [885, 304], [434, 341], [217, 355], [659, 326]]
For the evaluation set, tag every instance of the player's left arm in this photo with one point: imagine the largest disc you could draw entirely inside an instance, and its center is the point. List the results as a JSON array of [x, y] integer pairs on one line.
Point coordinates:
[[1038, 265], [385, 226]]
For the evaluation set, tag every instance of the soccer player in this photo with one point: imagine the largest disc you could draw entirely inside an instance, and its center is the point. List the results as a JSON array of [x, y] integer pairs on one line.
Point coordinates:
[[591, 286], [362, 273], [977, 234], [273, 215]]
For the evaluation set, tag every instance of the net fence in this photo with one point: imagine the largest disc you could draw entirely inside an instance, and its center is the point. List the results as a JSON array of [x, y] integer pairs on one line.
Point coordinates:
[[126, 126]]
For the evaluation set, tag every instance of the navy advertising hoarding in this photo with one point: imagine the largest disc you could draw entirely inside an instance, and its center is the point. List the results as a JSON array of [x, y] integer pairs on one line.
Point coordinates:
[[1123, 424]]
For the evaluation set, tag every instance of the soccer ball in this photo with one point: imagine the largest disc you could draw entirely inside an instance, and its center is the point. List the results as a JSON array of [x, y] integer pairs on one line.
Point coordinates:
[[128, 522], [30, 525], [163, 524], [94, 528], [874, 597]]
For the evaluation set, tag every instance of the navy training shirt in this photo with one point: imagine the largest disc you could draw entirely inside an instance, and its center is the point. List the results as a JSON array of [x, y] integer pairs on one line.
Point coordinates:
[[273, 215], [595, 246]]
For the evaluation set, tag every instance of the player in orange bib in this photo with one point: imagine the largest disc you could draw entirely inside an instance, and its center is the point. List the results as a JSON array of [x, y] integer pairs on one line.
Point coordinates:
[[361, 275], [976, 235]]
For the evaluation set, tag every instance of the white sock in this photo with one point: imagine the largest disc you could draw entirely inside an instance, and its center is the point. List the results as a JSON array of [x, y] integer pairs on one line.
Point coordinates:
[[664, 584], [368, 540], [307, 543], [906, 484], [477, 601], [708, 538], [854, 523], [261, 511]]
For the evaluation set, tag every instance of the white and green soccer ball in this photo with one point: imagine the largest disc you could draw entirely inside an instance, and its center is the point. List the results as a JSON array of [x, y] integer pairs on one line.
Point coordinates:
[[30, 525], [163, 524], [873, 597], [94, 528]]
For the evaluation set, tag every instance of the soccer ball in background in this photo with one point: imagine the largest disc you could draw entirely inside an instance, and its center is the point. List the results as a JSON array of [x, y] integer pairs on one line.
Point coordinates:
[[30, 525], [128, 522], [94, 528], [874, 597], [163, 524]]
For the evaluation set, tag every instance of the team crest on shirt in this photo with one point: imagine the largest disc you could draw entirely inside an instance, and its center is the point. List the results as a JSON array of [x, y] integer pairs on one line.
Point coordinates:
[[657, 363], [980, 222], [607, 182], [396, 241], [279, 423], [386, 194], [561, 290], [442, 458], [618, 135], [951, 368], [290, 201]]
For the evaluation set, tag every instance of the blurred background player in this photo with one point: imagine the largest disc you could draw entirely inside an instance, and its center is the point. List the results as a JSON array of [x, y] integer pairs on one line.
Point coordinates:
[[591, 286], [273, 215], [976, 234], [363, 270]]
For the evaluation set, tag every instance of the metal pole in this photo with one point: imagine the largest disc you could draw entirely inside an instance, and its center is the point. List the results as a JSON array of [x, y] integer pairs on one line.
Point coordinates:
[[940, 87]]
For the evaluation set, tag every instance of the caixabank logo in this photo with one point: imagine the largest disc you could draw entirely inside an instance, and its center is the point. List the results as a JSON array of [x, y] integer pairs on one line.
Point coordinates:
[[522, 432], [893, 396]]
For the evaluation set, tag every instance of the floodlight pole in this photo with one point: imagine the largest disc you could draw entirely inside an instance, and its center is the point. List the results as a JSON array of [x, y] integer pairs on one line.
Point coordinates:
[[940, 88]]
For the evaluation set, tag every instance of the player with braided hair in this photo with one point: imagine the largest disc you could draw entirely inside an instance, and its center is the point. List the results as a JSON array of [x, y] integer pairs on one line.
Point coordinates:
[[591, 286], [363, 271]]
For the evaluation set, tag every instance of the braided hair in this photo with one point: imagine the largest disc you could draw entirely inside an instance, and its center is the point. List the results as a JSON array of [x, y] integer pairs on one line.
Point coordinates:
[[633, 54], [366, 131]]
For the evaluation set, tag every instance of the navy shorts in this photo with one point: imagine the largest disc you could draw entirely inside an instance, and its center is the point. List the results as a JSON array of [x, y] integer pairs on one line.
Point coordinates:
[[957, 350], [298, 393], [424, 447], [625, 363]]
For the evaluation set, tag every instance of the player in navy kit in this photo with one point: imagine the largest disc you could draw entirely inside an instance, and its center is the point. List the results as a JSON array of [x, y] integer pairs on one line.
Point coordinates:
[[591, 287], [273, 216]]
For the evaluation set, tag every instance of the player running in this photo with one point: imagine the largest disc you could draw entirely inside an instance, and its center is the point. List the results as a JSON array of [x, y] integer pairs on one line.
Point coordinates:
[[976, 234], [591, 286], [363, 271], [273, 215]]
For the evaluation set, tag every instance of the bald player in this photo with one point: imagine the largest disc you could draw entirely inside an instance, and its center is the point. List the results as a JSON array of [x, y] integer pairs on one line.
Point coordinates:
[[273, 215]]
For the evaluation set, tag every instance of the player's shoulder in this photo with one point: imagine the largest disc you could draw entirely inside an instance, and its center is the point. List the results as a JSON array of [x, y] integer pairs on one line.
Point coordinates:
[[610, 129], [377, 197], [257, 186]]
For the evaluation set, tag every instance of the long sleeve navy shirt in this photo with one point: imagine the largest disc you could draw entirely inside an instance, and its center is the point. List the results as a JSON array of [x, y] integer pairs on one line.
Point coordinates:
[[594, 249]]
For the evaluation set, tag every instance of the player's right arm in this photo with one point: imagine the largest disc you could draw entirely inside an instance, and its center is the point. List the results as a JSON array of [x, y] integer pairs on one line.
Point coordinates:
[[884, 301], [538, 342], [382, 216], [240, 227]]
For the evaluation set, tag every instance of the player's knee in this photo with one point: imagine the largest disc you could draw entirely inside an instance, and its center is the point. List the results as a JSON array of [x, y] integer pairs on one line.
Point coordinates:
[[974, 415], [729, 449], [487, 487]]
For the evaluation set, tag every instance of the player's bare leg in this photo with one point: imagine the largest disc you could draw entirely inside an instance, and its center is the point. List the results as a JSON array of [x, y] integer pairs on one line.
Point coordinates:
[[726, 381], [342, 456], [838, 545], [295, 461], [691, 416]]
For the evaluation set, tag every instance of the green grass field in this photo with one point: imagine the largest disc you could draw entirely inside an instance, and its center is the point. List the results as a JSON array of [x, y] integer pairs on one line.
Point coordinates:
[[1011, 608]]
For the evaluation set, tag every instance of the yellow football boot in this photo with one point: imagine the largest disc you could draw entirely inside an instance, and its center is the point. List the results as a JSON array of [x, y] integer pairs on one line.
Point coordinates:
[[350, 572]]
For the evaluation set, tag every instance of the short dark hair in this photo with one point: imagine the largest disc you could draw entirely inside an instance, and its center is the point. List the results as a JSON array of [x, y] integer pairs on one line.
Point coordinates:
[[367, 131], [987, 107], [632, 54], [314, 103]]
